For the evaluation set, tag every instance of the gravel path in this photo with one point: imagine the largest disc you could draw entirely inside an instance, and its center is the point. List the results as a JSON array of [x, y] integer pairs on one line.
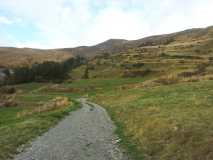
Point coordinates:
[[86, 134]]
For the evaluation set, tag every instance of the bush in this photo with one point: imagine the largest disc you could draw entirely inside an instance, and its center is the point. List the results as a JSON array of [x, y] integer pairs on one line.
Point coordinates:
[[54, 81], [163, 55], [7, 104], [39, 79], [91, 67], [210, 58], [3, 90], [187, 74], [182, 61], [59, 81], [138, 64], [11, 90], [197, 51]]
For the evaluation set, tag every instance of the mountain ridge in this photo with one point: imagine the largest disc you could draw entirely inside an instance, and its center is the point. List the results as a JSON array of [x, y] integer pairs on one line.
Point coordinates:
[[12, 57]]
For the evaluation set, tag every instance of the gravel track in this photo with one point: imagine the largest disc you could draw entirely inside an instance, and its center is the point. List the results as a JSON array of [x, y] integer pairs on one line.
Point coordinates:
[[86, 134]]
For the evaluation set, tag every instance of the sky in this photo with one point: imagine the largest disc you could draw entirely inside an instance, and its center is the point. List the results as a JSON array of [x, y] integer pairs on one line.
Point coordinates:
[[48, 24]]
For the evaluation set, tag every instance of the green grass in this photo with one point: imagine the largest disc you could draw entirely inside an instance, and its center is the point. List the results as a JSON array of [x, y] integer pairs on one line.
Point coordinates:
[[31, 86], [104, 81], [186, 65], [76, 95], [34, 98], [149, 115], [7, 115], [14, 133]]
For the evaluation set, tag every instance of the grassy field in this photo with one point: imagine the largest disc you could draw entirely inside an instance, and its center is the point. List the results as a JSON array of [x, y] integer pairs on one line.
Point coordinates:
[[7, 115], [15, 132], [31, 86], [165, 122], [186, 66], [33, 98], [104, 81]]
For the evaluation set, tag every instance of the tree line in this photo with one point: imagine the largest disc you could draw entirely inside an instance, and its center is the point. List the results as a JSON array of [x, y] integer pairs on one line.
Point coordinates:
[[48, 70]]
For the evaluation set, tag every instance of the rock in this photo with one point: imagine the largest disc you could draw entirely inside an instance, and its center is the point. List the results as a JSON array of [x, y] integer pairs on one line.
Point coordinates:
[[175, 129], [2, 105], [117, 141]]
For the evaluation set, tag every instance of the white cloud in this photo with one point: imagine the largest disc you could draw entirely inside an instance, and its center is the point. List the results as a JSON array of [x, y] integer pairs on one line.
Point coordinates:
[[70, 23], [34, 45], [5, 20], [19, 20]]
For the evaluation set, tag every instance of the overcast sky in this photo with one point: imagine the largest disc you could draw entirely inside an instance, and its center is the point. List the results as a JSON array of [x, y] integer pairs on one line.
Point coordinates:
[[69, 23]]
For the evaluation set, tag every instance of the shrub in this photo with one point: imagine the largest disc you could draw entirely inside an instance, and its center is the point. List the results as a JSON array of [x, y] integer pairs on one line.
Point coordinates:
[[182, 61], [202, 67], [54, 81], [7, 104], [197, 51], [210, 58], [39, 79], [69, 81], [163, 55], [91, 67], [59, 81], [11, 90], [138, 64], [186, 74]]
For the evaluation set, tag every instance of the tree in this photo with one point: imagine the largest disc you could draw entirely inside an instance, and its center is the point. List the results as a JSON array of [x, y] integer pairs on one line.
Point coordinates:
[[86, 74]]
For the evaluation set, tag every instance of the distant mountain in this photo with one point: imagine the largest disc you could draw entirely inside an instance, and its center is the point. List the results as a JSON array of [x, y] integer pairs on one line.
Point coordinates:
[[10, 57]]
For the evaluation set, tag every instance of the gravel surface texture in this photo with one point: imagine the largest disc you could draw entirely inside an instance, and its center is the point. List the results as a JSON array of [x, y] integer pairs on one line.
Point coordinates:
[[86, 134]]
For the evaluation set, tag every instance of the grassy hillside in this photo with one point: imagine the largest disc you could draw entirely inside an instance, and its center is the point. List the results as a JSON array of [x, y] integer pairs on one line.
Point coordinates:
[[166, 122], [200, 38]]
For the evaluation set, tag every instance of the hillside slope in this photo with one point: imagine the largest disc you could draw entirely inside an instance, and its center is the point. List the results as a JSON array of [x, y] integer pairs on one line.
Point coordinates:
[[10, 57]]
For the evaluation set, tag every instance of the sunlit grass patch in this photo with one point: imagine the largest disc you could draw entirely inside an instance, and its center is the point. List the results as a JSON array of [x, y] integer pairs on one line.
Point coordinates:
[[33, 98], [31, 86], [166, 122]]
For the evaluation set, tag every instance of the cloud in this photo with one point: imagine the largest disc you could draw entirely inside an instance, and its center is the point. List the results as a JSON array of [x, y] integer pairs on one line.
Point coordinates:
[[70, 23], [3, 43], [5, 20], [19, 20], [34, 45]]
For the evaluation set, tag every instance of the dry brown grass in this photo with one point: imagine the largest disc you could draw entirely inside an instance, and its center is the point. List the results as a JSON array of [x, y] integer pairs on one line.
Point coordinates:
[[85, 96], [57, 103], [176, 80], [13, 57]]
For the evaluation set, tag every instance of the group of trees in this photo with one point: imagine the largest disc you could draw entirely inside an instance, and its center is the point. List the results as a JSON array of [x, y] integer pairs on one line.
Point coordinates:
[[169, 41], [147, 44], [76, 62], [152, 44], [48, 70], [103, 56]]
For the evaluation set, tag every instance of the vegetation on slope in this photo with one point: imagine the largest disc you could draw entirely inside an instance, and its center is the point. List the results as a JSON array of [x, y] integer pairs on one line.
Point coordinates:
[[166, 122]]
